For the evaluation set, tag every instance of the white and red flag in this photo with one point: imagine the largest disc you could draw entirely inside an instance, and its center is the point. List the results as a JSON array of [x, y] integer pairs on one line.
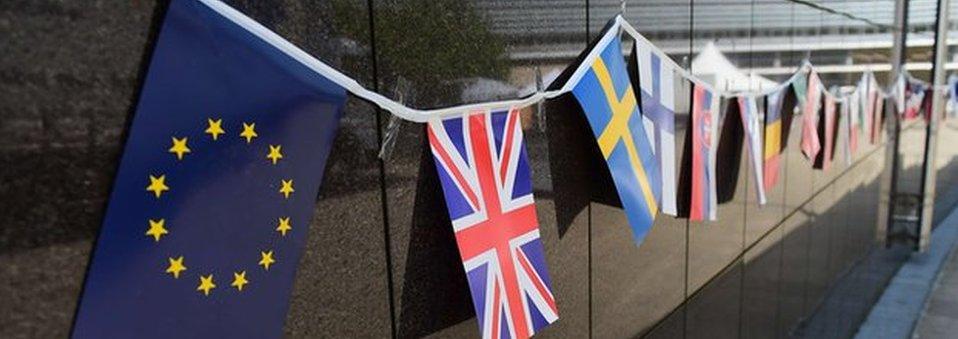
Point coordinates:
[[810, 143]]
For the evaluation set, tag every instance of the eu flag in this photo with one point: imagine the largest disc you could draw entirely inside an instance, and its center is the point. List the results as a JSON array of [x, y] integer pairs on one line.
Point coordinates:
[[210, 206]]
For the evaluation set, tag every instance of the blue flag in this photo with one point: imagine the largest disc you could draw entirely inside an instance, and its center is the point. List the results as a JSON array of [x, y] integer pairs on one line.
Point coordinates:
[[609, 103], [216, 187]]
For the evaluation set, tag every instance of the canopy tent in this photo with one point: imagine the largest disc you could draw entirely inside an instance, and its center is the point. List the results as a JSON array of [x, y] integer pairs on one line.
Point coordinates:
[[712, 66]]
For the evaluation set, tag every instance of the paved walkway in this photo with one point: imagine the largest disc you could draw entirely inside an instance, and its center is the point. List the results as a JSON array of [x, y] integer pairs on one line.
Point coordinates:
[[903, 304], [940, 318]]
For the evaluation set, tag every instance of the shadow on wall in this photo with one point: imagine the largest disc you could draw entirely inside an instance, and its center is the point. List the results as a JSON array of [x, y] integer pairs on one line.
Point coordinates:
[[946, 186], [946, 192], [729, 152], [435, 292], [815, 275], [579, 172]]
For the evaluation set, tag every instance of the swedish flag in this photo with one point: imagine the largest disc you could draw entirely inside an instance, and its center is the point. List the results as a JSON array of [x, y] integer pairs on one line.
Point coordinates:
[[216, 187], [609, 103]]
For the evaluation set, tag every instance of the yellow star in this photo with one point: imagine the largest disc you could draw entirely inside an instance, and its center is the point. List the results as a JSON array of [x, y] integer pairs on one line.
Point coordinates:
[[157, 185], [287, 188], [284, 226], [274, 153], [215, 128], [267, 259], [239, 279], [249, 132], [179, 148], [156, 229], [176, 266], [206, 284]]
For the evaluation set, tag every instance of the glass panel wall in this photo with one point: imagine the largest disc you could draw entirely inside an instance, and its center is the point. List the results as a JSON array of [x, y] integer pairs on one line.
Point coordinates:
[[381, 257]]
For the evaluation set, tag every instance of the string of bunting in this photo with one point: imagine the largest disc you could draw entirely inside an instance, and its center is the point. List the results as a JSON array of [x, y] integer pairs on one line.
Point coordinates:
[[225, 154]]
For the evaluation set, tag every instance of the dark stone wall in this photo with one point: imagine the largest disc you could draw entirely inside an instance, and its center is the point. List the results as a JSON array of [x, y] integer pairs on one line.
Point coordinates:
[[381, 258], [70, 72]]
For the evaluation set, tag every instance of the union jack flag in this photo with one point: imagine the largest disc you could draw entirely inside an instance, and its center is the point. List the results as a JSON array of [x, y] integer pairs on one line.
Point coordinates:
[[484, 171]]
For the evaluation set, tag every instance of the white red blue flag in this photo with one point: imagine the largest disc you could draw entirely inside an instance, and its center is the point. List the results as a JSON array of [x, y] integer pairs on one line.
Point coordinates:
[[484, 171], [657, 84], [704, 134], [748, 108]]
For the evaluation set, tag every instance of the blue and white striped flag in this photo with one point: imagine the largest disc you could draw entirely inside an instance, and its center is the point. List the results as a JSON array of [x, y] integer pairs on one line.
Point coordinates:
[[657, 84]]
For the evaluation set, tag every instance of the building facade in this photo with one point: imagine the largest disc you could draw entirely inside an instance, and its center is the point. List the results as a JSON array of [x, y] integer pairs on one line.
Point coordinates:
[[381, 259]]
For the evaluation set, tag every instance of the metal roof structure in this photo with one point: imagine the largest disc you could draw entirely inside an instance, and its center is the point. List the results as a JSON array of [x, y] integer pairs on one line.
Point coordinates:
[[763, 32], [536, 19]]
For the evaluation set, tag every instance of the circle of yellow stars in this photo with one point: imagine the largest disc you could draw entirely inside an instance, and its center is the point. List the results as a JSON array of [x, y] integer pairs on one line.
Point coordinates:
[[158, 186]]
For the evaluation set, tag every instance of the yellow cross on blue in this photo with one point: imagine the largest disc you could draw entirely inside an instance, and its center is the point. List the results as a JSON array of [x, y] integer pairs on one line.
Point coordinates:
[[608, 101]]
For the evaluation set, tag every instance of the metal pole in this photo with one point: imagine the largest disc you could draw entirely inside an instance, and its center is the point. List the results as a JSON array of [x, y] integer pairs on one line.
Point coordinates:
[[900, 35], [929, 171], [889, 176]]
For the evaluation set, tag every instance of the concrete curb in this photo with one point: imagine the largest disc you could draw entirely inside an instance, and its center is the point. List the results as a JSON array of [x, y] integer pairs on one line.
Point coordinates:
[[896, 313]]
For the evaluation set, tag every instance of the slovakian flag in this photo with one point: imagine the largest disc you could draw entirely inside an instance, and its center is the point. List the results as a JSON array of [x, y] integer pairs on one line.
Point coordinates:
[[826, 130], [748, 109], [705, 105], [484, 171], [212, 199], [657, 98], [773, 137], [813, 97], [608, 101]]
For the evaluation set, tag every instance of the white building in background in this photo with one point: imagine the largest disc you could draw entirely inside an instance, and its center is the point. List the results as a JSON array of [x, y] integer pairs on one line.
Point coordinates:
[[712, 66]]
